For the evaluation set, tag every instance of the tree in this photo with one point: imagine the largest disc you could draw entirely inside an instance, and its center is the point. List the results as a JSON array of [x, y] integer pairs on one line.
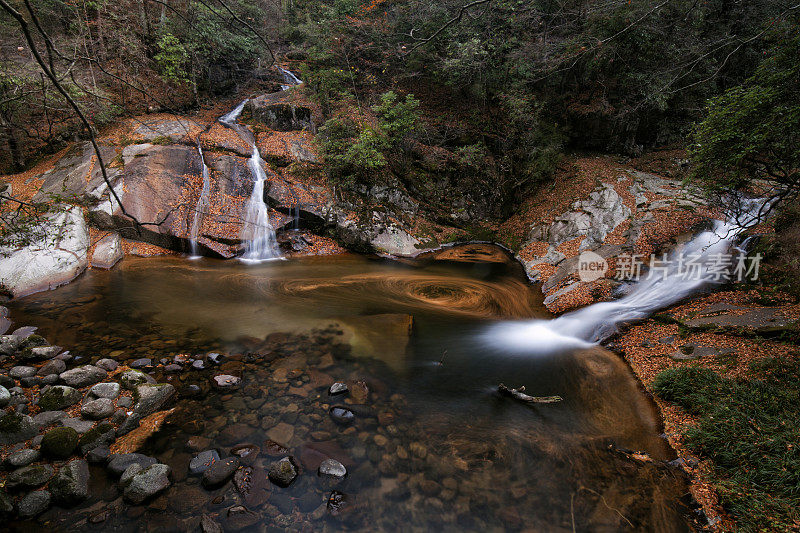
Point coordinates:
[[752, 131]]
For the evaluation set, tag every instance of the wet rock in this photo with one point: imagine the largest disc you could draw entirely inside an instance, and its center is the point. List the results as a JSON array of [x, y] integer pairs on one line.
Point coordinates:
[[199, 364], [220, 472], [43, 353], [60, 442], [247, 453], [9, 344], [216, 358], [55, 366], [342, 416], [283, 472], [338, 388], [173, 368], [118, 463], [6, 504], [107, 251], [107, 364], [129, 472], [78, 424], [226, 381], [235, 433], [98, 455], [83, 376], [337, 502], [5, 396], [19, 372], [281, 433], [34, 504], [29, 476], [252, 485], [209, 525], [125, 402], [71, 484], [152, 398], [239, 517], [22, 457], [202, 461], [106, 390], [274, 449], [332, 468], [144, 362], [98, 409], [101, 435], [147, 483], [130, 379], [48, 418], [359, 392]]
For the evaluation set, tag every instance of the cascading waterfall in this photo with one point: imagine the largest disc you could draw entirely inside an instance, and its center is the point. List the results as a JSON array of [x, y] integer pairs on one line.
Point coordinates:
[[585, 327], [202, 205], [257, 232], [289, 79], [229, 119]]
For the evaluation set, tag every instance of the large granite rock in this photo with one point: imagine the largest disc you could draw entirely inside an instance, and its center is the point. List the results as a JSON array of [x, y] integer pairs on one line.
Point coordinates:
[[108, 251], [277, 112], [77, 174], [55, 257]]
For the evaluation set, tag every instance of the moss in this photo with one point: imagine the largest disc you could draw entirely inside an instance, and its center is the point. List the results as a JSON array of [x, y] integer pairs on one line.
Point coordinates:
[[33, 341], [60, 442], [56, 398], [162, 140], [95, 434], [11, 423]]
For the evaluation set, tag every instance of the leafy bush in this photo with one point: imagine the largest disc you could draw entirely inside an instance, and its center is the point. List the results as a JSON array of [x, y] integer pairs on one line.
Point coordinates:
[[171, 58], [398, 119], [750, 429], [351, 156]]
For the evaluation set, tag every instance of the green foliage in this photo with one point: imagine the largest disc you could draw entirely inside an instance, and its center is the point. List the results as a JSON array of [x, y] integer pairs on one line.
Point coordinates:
[[172, 58], [750, 430], [751, 131], [351, 156], [398, 119]]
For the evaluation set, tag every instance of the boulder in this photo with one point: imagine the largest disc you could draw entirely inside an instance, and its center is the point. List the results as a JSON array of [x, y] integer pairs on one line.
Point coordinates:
[[152, 398], [54, 258], [277, 113], [15, 427], [71, 484], [107, 251], [77, 174], [83, 376], [60, 442], [59, 397], [33, 504], [147, 483], [29, 476]]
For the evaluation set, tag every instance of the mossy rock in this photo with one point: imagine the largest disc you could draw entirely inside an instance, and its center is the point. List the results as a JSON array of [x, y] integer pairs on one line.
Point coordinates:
[[99, 435], [15, 427], [60, 442], [130, 379], [33, 341], [59, 397]]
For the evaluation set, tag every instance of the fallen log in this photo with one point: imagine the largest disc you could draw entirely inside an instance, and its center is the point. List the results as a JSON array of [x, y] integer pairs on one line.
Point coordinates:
[[519, 394]]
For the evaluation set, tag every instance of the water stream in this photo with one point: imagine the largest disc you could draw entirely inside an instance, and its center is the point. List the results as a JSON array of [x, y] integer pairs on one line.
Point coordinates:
[[201, 207], [433, 446]]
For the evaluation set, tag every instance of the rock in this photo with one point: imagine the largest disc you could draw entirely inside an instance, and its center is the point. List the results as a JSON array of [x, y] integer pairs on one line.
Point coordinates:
[[107, 252], [9, 344], [252, 484], [337, 388], [71, 484], [102, 434], [142, 363], [332, 468], [98, 454], [281, 433], [247, 453], [53, 260], [83, 376], [48, 418], [19, 372], [202, 461], [226, 381], [276, 114], [209, 525], [220, 472], [107, 364], [199, 364], [342, 416], [274, 449], [60, 442], [78, 424], [22, 457], [15, 427], [147, 483], [55, 366], [152, 398], [283, 472], [6, 504], [336, 503], [216, 358], [119, 462], [98, 409], [173, 368], [239, 518], [43, 353], [59, 397], [34, 504], [130, 379], [129, 472], [29, 476], [359, 392], [106, 390], [5, 396]]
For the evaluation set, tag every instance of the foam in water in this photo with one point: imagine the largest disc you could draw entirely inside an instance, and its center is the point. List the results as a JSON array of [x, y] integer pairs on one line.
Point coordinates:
[[200, 208], [229, 119], [289, 79], [257, 232], [594, 323]]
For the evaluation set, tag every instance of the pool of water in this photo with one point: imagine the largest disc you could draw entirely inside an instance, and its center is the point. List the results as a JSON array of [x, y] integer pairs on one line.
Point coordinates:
[[433, 446]]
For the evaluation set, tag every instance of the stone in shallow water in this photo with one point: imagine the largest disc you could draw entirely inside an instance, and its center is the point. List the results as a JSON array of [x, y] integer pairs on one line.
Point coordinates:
[[281, 433], [252, 484], [118, 463], [247, 453], [71, 484], [283, 472], [336, 502], [342, 416], [29, 476], [107, 364], [226, 381], [220, 472], [274, 449], [332, 468], [202, 461], [34, 504], [337, 388], [147, 483], [142, 363]]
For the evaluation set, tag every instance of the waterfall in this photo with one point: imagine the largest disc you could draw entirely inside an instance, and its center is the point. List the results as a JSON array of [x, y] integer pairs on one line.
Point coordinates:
[[257, 232], [202, 205], [229, 119], [289, 79], [594, 323]]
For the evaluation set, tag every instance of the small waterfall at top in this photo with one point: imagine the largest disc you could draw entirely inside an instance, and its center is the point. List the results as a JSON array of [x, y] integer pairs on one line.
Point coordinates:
[[289, 79], [200, 208], [257, 232], [594, 323]]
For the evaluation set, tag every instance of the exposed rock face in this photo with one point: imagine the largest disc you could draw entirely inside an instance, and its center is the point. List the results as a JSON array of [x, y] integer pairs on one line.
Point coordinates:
[[278, 113], [107, 252], [77, 175], [53, 260]]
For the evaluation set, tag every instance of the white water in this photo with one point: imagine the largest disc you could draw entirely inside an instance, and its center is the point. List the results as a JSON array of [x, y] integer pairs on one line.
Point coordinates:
[[257, 232], [585, 327], [289, 79], [200, 208], [229, 119]]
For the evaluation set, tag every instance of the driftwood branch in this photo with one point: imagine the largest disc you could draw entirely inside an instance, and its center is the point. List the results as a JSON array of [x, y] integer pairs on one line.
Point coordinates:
[[519, 394]]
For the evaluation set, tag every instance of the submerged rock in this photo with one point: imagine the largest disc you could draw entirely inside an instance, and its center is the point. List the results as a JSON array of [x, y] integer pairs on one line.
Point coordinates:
[[283, 472], [332, 468], [34, 504], [202, 461], [342, 416], [118, 463], [338, 388], [60, 442], [71, 484], [220, 472], [147, 483]]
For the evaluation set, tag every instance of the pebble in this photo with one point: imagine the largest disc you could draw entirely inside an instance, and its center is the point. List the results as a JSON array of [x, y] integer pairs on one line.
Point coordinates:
[[332, 468], [337, 388], [202, 461], [220, 472], [106, 390], [342, 416]]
